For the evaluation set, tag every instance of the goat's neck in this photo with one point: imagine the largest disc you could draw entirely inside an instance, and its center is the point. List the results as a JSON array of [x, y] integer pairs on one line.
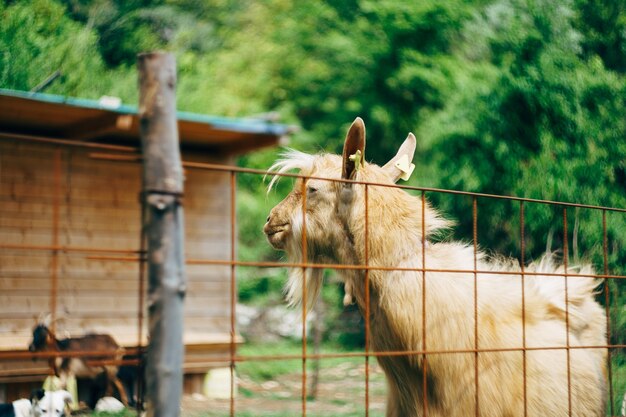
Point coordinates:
[[52, 343], [394, 240], [384, 286]]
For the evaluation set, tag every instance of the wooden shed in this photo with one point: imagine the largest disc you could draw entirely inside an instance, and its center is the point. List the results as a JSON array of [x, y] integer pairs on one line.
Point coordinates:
[[70, 225]]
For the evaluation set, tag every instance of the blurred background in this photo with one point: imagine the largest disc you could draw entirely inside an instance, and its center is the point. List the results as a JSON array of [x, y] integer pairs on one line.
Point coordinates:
[[509, 97]]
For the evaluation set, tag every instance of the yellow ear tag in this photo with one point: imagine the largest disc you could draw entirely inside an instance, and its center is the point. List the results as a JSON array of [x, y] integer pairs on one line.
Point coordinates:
[[356, 158], [405, 166]]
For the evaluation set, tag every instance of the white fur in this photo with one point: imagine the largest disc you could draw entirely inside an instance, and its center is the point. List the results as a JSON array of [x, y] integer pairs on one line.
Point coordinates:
[[289, 160]]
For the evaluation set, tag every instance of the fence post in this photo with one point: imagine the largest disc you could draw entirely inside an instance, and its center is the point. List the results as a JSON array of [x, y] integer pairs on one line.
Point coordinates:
[[164, 230]]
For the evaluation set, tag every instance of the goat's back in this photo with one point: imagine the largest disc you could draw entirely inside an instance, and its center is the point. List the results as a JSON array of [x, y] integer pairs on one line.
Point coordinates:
[[549, 373], [89, 342]]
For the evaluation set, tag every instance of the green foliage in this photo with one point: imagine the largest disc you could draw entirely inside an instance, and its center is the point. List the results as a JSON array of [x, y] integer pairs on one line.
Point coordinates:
[[619, 388], [260, 287], [260, 371], [384, 61], [265, 370], [37, 39], [603, 25]]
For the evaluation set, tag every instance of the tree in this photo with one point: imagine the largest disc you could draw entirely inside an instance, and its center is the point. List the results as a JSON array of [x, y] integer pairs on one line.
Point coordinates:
[[603, 26], [37, 39]]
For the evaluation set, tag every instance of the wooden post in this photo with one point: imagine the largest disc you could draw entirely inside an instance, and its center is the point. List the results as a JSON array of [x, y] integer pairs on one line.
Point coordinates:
[[162, 192]]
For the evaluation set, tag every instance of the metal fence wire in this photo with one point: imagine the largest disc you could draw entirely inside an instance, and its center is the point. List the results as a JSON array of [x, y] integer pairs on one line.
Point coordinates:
[[62, 253]]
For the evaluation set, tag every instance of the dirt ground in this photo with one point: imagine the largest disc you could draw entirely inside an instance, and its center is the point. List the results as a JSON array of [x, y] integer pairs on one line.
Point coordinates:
[[340, 392]]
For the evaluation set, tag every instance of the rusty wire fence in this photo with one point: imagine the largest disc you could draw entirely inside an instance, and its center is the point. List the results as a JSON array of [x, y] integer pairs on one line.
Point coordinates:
[[72, 245]]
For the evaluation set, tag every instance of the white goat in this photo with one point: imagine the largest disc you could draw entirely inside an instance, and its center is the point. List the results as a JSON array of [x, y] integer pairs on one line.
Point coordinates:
[[336, 233]]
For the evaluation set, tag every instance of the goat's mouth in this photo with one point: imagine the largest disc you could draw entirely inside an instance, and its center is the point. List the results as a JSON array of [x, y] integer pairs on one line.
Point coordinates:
[[276, 234]]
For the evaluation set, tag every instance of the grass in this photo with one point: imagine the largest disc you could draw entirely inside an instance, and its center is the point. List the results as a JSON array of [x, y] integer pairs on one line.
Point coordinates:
[[619, 383], [279, 413], [129, 412], [265, 370], [273, 388]]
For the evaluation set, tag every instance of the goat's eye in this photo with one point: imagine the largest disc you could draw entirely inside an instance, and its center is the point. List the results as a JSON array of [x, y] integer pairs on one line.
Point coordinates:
[[311, 190]]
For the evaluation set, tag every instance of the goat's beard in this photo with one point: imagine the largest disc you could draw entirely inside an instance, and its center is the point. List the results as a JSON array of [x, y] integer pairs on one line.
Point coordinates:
[[302, 280]]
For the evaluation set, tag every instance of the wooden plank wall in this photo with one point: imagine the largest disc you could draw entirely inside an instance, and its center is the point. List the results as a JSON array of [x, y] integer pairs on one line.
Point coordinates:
[[98, 208]]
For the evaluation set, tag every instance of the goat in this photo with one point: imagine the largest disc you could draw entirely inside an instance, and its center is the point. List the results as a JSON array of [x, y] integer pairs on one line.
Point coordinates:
[[41, 404], [51, 403], [44, 340], [489, 372]]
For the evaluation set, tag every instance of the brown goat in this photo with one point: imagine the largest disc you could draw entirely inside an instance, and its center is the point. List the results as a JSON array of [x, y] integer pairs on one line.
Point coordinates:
[[502, 379], [89, 367]]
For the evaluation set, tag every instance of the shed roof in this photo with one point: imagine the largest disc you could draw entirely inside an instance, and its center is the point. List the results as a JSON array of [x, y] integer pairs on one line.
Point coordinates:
[[107, 120]]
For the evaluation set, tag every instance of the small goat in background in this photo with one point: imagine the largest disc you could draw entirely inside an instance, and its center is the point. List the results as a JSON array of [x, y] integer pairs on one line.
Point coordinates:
[[51, 403], [397, 233], [80, 367], [41, 404]]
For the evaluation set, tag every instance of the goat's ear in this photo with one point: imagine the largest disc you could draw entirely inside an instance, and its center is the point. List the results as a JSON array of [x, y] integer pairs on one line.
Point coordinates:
[[36, 395], [400, 165], [355, 141], [67, 397]]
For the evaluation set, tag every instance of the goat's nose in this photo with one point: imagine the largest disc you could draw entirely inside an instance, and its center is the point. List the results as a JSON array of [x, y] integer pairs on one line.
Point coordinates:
[[268, 219]]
